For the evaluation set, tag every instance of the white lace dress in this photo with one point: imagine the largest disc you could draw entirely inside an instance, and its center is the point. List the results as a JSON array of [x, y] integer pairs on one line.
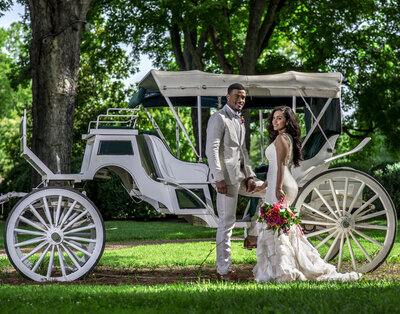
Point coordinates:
[[290, 256]]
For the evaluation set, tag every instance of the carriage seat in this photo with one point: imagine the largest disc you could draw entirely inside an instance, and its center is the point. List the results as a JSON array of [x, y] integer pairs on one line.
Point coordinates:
[[314, 161], [160, 164]]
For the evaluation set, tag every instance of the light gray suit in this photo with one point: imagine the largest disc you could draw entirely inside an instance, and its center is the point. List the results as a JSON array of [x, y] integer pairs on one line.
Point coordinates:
[[228, 160]]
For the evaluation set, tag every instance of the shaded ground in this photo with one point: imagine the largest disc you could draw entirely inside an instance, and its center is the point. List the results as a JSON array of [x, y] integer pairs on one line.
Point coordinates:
[[149, 276]]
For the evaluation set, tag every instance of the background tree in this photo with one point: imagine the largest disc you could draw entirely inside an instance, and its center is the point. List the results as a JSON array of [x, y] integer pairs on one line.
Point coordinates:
[[54, 58]]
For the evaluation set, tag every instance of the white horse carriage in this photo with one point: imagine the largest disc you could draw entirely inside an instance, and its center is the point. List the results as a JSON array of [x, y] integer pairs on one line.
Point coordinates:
[[56, 233]]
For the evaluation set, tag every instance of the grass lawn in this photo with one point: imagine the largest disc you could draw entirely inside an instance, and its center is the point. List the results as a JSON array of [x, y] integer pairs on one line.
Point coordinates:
[[298, 297]]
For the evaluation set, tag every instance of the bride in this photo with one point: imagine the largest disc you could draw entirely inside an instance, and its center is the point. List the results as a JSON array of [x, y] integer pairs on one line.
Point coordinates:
[[290, 256]]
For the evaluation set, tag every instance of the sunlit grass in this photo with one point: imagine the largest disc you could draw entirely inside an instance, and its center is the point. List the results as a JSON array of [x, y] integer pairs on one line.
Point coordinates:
[[305, 297]]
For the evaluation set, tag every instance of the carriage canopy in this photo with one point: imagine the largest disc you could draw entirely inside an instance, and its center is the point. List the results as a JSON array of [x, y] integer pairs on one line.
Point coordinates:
[[319, 92]]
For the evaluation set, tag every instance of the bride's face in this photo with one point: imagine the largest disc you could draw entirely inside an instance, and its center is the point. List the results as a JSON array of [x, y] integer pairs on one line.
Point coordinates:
[[279, 121]]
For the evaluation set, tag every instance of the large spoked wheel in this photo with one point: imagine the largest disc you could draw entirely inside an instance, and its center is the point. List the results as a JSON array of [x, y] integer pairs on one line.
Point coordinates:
[[54, 234], [349, 217]]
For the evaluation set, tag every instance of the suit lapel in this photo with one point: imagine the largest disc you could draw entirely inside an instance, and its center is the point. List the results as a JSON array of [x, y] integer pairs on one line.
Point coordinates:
[[232, 124]]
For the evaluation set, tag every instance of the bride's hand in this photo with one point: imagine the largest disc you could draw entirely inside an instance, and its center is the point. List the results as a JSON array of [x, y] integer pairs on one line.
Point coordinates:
[[260, 188], [280, 196]]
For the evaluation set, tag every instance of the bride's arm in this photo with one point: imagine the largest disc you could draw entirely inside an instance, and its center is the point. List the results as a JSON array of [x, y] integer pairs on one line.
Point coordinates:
[[282, 150]]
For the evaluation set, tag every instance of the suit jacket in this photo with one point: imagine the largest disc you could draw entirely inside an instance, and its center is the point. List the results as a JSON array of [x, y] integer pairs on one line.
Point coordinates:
[[224, 148]]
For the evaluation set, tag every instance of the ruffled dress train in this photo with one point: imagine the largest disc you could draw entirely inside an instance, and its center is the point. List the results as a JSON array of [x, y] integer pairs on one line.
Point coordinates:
[[290, 256]]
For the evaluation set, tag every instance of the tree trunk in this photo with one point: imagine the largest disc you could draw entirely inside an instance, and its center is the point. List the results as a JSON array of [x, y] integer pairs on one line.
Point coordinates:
[[54, 54]]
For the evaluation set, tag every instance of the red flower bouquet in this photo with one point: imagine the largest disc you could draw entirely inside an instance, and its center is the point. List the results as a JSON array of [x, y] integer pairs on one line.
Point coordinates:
[[278, 217]]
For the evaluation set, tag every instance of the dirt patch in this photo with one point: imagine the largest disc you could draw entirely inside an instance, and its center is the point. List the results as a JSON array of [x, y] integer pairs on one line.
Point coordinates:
[[168, 275]]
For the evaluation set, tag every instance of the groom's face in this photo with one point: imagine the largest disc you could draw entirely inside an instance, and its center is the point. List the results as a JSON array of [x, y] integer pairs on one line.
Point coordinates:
[[236, 99]]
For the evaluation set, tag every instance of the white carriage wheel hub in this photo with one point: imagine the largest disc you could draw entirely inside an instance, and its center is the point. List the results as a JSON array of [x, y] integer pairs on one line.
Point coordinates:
[[346, 222], [55, 236]]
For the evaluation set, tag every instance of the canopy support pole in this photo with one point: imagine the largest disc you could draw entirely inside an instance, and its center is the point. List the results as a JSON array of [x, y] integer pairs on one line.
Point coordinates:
[[199, 125], [156, 127], [177, 136], [316, 121], [181, 125], [260, 115], [294, 104]]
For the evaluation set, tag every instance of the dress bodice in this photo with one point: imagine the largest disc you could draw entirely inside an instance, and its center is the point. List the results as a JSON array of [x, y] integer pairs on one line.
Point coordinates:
[[289, 183]]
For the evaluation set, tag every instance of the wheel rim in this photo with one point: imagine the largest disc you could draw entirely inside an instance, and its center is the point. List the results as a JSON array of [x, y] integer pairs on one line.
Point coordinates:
[[54, 234], [349, 217]]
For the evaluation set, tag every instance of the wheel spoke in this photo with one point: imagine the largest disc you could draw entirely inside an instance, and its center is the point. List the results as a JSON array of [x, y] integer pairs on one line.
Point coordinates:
[[309, 235], [29, 242], [30, 232], [36, 249], [346, 188], [81, 239], [68, 213], [326, 239], [58, 210], [334, 196], [367, 203], [75, 220], [368, 226], [78, 248], [368, 238], [325, 202], [71, 256], [356, 197], [39, 261], [34, 211], [327, 256], [340, 252], [380, 213], [88, 227], [361, 247], [318, 212], [51, 262], [47, 211], [77, 258], [61, 259], [316, 222], [31, 223], [353, 260]]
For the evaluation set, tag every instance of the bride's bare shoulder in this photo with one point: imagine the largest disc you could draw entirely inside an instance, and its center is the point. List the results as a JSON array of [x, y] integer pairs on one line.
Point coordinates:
[[282, 139]]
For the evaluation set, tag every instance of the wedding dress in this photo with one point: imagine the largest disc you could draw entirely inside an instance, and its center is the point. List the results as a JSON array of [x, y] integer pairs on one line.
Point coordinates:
[[290, 256]]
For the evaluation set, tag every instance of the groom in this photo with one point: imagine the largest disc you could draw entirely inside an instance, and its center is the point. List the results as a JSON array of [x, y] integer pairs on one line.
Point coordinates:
[[228, 160]]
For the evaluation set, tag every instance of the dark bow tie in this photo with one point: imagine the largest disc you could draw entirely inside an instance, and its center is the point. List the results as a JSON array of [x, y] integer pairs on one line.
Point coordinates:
[[237, 116]]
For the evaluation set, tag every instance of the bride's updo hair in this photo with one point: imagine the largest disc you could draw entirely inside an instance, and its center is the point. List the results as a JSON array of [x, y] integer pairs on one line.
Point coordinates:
[[292, 128]]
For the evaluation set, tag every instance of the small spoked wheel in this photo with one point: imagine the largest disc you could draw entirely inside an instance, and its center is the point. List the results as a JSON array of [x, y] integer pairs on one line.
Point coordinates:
[[349, 217], [54, 234]]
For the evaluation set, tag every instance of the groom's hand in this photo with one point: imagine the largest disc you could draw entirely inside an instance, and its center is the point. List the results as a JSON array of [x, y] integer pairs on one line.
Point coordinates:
[[221, 187], [250, 185]]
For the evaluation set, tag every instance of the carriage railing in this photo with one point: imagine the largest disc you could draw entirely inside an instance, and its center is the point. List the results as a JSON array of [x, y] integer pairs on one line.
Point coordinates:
[[116, 117]]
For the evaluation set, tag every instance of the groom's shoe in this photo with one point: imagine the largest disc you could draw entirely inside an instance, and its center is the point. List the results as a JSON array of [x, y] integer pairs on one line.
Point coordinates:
[[231, 276], [250, 242]]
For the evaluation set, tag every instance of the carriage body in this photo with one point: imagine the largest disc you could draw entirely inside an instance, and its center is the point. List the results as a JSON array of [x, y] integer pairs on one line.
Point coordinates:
[[336, 205]]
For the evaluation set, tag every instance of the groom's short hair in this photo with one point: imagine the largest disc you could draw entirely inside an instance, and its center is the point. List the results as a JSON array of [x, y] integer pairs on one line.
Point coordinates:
[[235, 86]]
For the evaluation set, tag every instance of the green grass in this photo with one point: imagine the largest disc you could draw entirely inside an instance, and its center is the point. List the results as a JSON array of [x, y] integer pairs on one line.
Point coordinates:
[[298, 297], [167, 255], [157, 230]]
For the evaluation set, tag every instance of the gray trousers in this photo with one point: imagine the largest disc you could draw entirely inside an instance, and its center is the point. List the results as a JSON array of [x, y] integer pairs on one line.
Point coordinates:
[[226, 207]]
